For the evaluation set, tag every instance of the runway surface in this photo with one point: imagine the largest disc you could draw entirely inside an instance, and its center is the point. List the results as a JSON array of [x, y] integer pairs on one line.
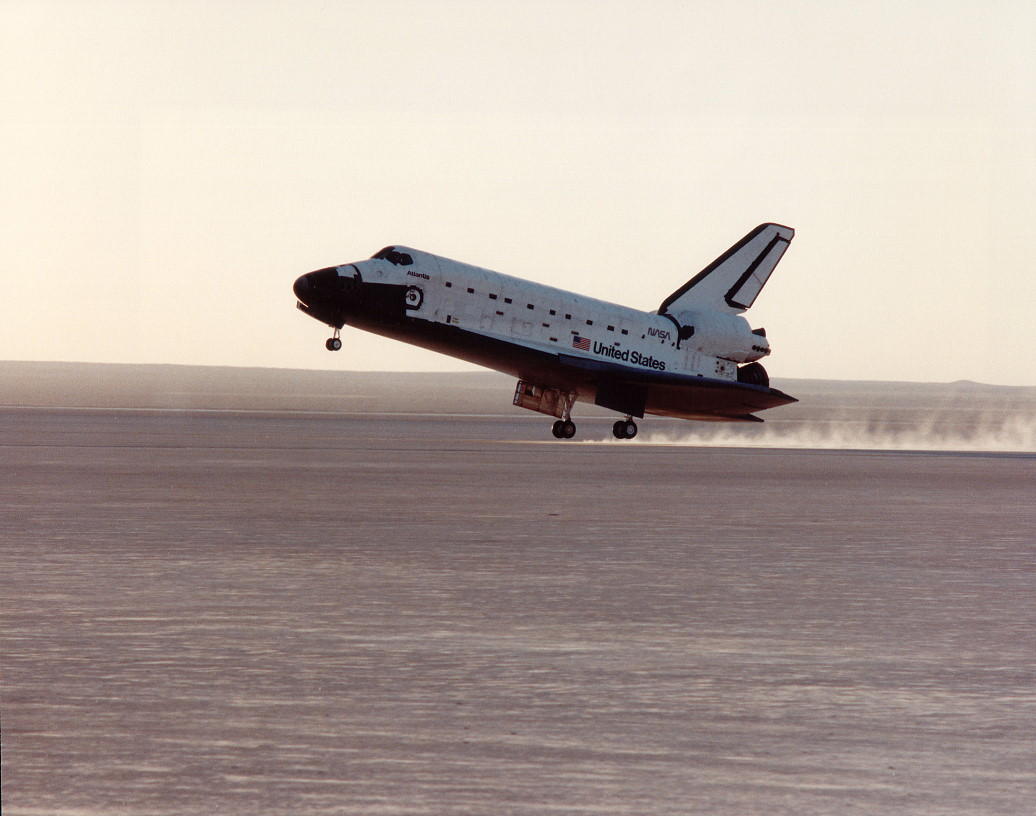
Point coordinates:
[[239, 613]]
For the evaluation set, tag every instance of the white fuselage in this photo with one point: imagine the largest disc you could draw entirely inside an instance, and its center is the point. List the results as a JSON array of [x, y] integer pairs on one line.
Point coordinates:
[[694, 358], [555, 321]]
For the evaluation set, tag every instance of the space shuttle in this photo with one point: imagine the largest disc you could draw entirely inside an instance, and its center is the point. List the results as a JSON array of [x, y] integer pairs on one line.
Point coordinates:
[[696, 357]]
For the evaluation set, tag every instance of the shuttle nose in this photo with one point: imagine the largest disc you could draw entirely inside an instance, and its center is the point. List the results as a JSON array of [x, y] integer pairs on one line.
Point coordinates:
[[302, 288], [325, 295]]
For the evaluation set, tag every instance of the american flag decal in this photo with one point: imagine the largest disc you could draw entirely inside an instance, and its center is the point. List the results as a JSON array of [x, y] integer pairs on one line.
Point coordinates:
[[581, 343]]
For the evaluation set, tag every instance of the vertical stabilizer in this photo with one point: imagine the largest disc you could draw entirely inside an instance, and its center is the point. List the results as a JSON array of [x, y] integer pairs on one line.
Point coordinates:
[[732, 282]]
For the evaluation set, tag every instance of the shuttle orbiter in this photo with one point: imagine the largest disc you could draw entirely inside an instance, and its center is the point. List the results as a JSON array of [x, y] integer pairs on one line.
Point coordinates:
[[696, 357]]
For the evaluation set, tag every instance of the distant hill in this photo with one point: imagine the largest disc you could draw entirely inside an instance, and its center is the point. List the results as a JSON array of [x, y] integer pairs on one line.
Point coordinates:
[[105, 385], [831, 412], [98, 385]]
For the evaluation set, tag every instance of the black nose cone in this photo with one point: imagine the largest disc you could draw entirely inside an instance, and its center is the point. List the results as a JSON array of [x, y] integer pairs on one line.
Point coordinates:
[[302, 288]]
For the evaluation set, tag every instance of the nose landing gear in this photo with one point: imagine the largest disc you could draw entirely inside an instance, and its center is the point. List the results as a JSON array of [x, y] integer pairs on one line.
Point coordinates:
[[334, 343]]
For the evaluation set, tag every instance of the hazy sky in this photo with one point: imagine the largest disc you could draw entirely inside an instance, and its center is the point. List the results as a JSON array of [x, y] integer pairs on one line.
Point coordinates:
[[168, 169]]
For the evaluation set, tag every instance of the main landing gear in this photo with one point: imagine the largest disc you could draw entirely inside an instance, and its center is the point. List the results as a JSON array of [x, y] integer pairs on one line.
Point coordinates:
[[334, 343], [624, 428], [564, 429]]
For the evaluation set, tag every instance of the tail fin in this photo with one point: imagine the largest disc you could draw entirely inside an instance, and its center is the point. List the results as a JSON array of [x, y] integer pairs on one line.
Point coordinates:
[[732, 282]]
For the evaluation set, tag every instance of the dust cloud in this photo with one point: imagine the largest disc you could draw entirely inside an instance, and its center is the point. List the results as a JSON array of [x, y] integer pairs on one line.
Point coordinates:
[[1012, 434], [837, 415]]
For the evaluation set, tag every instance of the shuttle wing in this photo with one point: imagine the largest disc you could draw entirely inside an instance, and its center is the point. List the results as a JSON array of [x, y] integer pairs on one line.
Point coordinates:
[[687, 396], [732, 282]]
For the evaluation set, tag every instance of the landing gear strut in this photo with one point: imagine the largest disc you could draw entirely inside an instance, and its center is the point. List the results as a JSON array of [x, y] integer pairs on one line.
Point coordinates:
[[624, 428], [550, 401], [334, 343]]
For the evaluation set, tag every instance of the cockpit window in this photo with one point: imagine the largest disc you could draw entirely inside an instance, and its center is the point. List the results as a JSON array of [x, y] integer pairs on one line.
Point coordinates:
[[392, 256]]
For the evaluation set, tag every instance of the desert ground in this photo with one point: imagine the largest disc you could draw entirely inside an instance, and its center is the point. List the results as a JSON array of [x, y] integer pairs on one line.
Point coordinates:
[[241, 592]]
